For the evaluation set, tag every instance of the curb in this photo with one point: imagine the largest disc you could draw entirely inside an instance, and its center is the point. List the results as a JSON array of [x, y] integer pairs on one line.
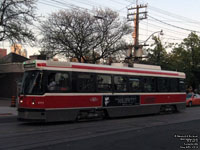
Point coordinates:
[[8, 111], [6, 114]]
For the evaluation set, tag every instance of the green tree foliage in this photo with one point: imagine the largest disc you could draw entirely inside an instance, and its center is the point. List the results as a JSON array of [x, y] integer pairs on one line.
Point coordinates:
[[183, 57], [15, 18], [186, 58], [157, 54], [83, 35]]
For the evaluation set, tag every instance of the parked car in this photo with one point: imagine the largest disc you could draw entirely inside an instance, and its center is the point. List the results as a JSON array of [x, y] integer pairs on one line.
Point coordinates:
[[192, 99]]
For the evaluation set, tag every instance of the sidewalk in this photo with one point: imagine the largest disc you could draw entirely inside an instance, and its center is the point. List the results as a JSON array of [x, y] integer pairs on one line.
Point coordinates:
[[6, 110]]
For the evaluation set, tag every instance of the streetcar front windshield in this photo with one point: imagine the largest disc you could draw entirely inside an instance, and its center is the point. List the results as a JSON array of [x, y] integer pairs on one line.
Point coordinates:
[[32, 82]]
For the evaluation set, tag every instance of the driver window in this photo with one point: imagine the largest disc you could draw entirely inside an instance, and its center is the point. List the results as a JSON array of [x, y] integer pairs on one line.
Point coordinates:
[[58, 82]]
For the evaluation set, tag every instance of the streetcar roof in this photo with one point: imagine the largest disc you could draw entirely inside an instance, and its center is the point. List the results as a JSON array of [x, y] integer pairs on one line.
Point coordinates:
[[99, 68]]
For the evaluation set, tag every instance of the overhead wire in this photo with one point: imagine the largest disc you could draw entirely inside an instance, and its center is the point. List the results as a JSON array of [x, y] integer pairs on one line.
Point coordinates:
[[173, 25], [179, 17], [118, 2], [174, 20], [164, 28], [67, 4], [64, 4], [165, 34], [52, 5]]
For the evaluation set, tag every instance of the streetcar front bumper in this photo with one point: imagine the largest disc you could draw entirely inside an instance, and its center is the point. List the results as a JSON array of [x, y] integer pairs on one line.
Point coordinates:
[[27, 114]]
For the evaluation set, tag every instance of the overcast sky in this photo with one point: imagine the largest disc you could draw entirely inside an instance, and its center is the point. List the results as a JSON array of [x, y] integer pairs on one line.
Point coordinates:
[[177, 18]]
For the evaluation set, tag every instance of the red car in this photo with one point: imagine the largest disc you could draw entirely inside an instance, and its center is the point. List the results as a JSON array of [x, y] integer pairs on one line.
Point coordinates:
[[192, 99]]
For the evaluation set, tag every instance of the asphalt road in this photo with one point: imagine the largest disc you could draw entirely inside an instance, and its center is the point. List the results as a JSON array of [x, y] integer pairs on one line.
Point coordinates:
[[156, 132]]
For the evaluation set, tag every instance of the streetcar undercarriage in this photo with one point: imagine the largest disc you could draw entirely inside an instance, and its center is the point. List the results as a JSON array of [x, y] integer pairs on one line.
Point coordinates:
[[56, 115]]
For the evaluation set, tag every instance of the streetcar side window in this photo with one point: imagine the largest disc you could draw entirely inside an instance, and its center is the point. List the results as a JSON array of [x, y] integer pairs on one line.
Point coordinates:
[[104, 83], [182, 85], [120, 83], [134, 84], [149, 84], [86, 82], [173, 85], [58, 82], [163, 85]]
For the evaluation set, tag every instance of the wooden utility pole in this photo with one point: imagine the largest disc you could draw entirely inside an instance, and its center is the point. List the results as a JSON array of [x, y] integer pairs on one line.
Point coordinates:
[[136, 16]]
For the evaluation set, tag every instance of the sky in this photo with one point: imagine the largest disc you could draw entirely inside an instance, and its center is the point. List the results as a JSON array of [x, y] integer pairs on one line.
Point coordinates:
[[177, 18]]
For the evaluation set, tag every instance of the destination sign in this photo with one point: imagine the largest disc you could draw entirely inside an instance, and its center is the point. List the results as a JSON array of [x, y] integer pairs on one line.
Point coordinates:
[[32, 65]]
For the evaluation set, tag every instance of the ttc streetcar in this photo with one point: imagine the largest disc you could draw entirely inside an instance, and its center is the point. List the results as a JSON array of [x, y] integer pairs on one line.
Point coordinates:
[[66, 91]]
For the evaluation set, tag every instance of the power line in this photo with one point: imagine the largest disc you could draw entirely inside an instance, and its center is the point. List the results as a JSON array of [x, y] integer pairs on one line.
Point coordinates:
[[178, 21], [179, 17], [173, 25], [115, 1], [118, 2], [172, 37], [165, 34], [162, 27], [83, 2], [63, 5], [171, 19], [59, 4], [51, 5], [67, 4]]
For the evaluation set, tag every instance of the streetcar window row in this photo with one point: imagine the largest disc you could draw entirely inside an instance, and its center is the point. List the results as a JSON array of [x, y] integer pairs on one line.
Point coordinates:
[[104, 83]]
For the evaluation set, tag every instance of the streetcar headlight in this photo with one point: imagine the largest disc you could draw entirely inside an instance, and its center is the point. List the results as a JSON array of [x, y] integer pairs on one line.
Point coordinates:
[[21, 101], [33, 102]]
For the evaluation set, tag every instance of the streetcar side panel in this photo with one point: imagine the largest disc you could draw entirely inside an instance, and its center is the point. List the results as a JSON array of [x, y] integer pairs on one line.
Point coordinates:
[[63, 93]]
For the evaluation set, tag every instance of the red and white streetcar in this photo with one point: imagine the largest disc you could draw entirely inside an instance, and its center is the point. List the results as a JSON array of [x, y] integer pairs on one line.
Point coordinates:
[[66, 91]]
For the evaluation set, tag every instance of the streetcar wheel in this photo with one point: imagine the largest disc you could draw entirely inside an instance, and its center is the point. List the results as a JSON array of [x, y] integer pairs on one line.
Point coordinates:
[[105, 114], [162, 109], [190, 104], [174, 108]]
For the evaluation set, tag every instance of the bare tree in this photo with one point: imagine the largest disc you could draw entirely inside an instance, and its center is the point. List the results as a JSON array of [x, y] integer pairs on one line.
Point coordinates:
[[15, 17], [85, 36]]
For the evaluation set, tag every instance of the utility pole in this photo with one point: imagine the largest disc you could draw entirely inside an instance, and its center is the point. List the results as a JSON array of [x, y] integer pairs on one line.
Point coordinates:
[[135, 15]]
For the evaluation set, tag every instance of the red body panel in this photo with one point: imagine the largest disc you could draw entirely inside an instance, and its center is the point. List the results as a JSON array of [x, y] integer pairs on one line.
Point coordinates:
[[61, 101], [27, 102], [159, 99], [73, 101], [90, 101]]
